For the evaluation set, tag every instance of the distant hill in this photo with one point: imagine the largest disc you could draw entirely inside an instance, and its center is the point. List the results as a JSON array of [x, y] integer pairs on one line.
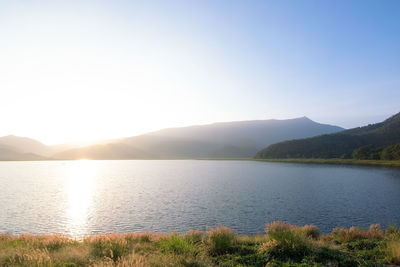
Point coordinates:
[[24, 145], [107, 151], [24, 148], [8, 153], [240, 139], [342, 144]]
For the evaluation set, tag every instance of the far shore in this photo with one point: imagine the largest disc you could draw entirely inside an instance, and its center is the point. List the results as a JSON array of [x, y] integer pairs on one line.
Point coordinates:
[[337, 161], [383, 163]]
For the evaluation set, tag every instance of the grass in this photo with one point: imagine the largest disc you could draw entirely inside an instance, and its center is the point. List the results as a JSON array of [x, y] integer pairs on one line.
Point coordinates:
[[383, 163], [282, 244]]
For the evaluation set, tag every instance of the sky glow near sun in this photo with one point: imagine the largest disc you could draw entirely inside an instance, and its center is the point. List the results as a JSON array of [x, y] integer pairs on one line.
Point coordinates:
[[74, 71]]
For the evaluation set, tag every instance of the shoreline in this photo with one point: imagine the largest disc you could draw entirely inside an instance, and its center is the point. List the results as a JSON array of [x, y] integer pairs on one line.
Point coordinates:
[[333, 161]]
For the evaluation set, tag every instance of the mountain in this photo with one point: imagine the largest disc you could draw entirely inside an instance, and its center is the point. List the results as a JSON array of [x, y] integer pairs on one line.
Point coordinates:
[[241, 139], [24, 145], [225, 139], [107, 151], [24, 148], [343, 144], [8, 153]]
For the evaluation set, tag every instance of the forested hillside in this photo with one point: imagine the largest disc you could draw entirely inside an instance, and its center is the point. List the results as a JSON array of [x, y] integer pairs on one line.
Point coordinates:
[[376, 141]]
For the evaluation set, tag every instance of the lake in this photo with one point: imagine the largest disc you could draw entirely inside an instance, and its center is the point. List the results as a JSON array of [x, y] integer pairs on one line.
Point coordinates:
[[89, 197]]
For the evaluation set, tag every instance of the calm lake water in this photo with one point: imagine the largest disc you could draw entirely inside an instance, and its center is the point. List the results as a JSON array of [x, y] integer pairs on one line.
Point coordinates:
[[89, 197]]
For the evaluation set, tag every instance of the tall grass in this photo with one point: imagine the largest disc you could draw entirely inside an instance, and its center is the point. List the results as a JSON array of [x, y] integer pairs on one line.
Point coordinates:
[[221, 240], [286, 241], [283, 244], [393, 250]]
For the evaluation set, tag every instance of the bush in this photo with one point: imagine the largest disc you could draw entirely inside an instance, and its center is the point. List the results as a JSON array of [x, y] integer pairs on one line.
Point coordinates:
[[343, 235], [285, 242], [278, 226], [194, 236], [311, 231], [221, 240], [391, 229], [112, 246], [174, 243]]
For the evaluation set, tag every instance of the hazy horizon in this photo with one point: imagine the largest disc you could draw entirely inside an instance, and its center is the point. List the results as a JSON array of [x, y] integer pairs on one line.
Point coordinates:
[[80, 71], [94, 141]]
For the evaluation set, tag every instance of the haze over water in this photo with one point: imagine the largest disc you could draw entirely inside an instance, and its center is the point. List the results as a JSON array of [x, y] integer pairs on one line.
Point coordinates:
[[88, 197]]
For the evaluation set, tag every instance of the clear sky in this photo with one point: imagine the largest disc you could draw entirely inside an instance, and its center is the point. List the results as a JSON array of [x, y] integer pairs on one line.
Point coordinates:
[[88, 70]]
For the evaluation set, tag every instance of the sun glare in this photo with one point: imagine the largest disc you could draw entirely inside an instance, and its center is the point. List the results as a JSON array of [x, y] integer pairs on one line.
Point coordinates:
[[79, 191]]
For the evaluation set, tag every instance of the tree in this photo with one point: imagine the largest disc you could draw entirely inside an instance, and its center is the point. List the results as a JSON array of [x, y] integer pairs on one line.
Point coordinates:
[[391, 152]]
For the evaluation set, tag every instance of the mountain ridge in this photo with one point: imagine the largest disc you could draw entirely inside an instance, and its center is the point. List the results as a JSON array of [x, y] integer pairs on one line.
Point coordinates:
[[236, 139], [336, 145]]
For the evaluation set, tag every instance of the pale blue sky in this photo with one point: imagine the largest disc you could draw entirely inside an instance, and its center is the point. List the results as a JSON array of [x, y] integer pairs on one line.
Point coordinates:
[[82, 70]]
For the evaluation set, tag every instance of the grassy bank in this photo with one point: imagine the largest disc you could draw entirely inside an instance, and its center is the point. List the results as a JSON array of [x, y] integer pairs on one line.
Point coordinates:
[[282, 245], [383, 163]]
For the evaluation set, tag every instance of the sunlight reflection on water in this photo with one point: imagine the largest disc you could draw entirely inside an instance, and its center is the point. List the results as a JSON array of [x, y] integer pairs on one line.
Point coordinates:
[[79, 191], [79, 198]]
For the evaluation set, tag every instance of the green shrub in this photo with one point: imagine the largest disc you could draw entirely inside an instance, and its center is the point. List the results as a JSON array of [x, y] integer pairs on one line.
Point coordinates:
[[194, 236], [311, 231], [363, 244], [112, 246], [391, 229], [326, 254], [176, 244], [220, 240], [134, 238], [286, 242], [278, 226], [343, 235]]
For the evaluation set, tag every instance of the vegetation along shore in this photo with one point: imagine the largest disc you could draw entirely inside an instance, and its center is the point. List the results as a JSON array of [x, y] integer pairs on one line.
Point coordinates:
[[382, 163], [281, 245]]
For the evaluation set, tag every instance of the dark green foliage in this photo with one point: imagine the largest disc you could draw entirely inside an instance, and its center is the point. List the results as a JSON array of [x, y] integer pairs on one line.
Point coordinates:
[[391, 152], [366, 152], [362, 143], [188, 262], [66, 264], [287, 243], [242, 255], [326, 254]]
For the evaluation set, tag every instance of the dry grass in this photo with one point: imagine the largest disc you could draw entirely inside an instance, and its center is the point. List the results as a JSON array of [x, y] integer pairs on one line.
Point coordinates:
[[283, 244], [221, 240], [355, 233], [311, 231], [393, 249]]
